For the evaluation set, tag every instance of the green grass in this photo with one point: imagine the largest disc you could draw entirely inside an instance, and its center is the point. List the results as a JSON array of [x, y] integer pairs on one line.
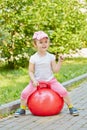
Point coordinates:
[[72, 68], [12, 82]]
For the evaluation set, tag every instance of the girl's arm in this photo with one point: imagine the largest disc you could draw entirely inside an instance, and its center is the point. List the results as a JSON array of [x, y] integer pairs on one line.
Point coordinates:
[[56, 66], [31, 74]]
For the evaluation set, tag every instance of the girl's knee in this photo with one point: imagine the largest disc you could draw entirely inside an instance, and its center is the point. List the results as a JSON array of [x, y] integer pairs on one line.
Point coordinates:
[[64, 93], [24, 95], [27, 92]]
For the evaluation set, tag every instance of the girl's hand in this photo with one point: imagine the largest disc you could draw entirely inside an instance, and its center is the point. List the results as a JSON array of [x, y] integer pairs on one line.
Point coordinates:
[[35, 83], [61, 58]]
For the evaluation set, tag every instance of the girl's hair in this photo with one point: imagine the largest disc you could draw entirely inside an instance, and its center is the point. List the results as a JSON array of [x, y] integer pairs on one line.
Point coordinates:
[[34, 41]]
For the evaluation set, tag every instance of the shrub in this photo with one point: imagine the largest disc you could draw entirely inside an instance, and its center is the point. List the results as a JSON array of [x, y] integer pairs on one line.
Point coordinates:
[[62, 20]]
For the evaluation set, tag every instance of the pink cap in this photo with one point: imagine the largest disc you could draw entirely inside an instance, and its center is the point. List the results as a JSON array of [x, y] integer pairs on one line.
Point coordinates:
[[39, 35]]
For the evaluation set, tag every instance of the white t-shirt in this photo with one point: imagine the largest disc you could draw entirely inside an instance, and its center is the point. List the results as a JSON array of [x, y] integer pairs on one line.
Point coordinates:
[[43, 69]]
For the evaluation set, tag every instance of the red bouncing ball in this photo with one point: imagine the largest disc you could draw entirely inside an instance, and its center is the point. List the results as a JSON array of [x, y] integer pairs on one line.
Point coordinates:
[[45, 102]]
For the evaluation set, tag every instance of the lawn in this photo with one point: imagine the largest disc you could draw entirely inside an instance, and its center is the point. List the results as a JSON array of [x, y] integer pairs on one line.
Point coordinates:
[[12, 82]]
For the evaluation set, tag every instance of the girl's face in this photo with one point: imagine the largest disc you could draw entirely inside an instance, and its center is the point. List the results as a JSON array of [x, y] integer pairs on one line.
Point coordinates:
[[42, 45]]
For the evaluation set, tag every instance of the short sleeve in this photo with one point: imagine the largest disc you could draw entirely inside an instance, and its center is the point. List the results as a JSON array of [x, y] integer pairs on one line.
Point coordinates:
[[32, 59], [52, 57]]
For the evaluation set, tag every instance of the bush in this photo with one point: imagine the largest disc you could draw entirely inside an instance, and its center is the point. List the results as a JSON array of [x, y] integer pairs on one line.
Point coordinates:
[[62, 20]]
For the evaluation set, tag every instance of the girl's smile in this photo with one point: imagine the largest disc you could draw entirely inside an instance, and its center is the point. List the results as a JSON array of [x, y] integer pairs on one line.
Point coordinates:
[[42, 45]]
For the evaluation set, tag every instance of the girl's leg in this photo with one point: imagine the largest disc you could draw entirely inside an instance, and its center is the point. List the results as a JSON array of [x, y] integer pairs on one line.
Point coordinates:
[[57, 87], [26, 93], [24, 96], [67, 100]]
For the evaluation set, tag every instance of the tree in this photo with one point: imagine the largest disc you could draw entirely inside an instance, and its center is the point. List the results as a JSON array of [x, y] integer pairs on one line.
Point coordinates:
[[62, 20]]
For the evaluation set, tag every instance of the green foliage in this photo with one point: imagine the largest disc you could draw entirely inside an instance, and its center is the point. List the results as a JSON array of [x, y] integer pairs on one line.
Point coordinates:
[[62, 20]]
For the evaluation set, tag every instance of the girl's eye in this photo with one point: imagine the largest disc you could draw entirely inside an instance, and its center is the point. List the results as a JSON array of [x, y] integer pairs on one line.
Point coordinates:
[[46, 41], [40, 42]]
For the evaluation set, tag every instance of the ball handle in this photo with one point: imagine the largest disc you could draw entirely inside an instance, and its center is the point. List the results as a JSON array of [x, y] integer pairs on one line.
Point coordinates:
[[42, 85]]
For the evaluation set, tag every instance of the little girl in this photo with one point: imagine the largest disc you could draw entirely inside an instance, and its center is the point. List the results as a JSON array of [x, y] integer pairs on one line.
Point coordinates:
[[42, 65]]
